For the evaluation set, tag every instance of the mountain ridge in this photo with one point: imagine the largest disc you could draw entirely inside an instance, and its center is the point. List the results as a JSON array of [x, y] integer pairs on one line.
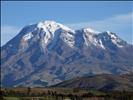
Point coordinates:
[[103, 82]]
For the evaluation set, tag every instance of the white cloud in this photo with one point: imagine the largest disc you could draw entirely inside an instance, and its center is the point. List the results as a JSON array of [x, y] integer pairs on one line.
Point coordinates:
[[8, 32], [113, 20], [120, 24]]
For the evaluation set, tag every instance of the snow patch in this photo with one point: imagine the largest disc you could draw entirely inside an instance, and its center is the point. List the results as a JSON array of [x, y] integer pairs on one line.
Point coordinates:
[[111, 35], [91, 38], [115, 39], [90, 30], [66, 28], [27, 36], [68, 39], [86, 41], [101, 44], [116, 43], [50, 27]]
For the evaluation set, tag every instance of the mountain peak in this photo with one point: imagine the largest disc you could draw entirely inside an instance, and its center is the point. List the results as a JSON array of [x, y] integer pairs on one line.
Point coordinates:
[[114, 38], [46, 23], [52, 26]]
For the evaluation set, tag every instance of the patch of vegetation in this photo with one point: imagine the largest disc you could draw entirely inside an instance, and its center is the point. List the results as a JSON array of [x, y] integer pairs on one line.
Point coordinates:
[[62, 94], [11, 98]]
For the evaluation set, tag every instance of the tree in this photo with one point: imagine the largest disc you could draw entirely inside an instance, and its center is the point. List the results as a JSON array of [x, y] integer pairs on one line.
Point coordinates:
[[28, 90]]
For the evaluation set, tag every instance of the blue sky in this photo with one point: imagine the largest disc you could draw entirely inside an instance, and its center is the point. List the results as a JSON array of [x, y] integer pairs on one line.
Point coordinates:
[[115, 16]]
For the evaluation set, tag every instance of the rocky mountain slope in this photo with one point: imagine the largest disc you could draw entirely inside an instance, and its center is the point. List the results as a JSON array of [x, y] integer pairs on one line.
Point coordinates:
[[48, 52]]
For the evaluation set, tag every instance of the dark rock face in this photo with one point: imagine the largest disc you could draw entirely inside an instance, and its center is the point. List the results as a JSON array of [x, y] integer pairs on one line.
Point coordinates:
[[48, 53]]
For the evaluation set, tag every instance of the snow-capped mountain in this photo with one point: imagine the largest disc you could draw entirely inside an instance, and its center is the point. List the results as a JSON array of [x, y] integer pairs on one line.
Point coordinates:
[[48, 52]]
